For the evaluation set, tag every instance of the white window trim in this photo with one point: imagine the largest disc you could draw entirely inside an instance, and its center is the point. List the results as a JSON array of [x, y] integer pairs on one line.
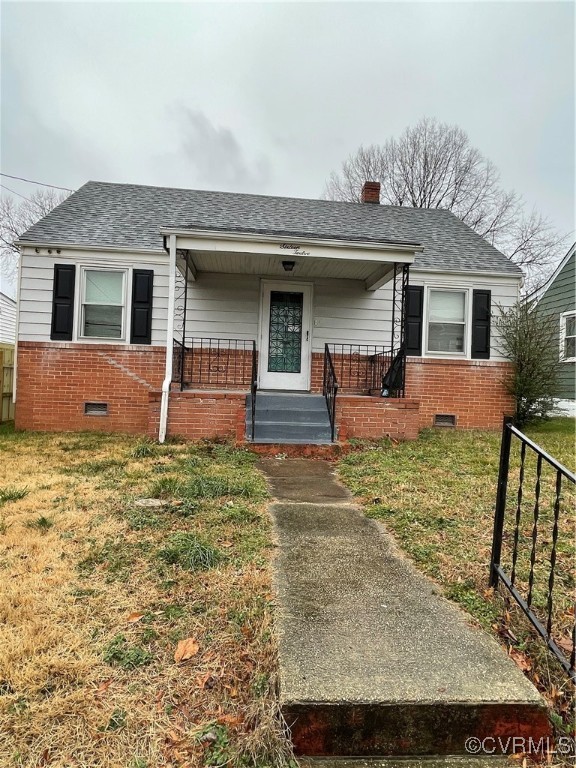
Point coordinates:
[[563, 317], [465, 355], [79, 302]]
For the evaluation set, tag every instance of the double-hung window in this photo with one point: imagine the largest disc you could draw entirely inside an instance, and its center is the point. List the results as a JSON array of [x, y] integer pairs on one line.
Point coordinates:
[[103, 304], [447, 321], [568, 336]]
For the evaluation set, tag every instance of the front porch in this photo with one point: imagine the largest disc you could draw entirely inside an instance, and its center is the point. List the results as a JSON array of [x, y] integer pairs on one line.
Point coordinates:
[[290, 373], [356, 391]]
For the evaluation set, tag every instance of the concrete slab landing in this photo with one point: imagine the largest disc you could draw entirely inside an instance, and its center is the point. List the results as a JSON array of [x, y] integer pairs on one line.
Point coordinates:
[[373, 661]]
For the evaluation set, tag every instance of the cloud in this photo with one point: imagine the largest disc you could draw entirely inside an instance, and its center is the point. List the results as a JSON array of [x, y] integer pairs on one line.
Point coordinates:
[[216, 156]]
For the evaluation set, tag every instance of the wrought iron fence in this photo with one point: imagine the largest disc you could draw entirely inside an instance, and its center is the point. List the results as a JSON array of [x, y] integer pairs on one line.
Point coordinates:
[[330, 389], [532, 516], [208, 362]]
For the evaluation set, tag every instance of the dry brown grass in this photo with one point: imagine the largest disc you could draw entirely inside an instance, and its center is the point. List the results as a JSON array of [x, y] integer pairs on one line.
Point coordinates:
[[77, 558]]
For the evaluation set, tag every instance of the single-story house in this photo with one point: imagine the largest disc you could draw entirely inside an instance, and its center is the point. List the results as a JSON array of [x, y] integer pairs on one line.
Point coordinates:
[[558, 299], [173, 311]]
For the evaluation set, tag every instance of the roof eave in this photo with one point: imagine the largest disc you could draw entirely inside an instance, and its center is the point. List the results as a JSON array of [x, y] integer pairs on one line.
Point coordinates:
[[389, 245]]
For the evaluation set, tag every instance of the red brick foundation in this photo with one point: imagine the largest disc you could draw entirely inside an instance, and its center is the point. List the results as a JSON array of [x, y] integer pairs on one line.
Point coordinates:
[[55, 379], [372, 418], [198, 415], [472, 390]]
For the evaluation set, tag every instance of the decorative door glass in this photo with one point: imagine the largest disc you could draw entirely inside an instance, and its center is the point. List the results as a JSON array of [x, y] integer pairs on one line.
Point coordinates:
[[285, 350]]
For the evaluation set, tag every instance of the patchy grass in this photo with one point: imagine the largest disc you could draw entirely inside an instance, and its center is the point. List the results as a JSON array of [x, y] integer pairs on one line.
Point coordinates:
[[437, 494], [96, 593]]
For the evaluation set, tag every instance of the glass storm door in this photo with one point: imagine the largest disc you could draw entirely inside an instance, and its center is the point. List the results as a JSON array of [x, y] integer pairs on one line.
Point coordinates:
[[285, 342]]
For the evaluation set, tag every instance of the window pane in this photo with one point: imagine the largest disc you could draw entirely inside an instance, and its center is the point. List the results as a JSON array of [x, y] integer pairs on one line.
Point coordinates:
[[103, 287], [445, 337], [570, 346], [446, 306], [571, 325], [103, 321]]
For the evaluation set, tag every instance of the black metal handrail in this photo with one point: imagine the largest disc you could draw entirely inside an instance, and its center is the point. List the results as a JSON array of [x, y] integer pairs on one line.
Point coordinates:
[[214, 362], [253, 389], [330, 389], [394, 379], [544, 626]]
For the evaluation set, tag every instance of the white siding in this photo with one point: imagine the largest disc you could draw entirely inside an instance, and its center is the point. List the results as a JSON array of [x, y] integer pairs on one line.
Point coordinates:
[[37, 276], [228, 306], [7, 320]]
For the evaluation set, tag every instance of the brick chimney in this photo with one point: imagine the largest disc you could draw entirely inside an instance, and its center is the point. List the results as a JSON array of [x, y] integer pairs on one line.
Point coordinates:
[[371, 192]]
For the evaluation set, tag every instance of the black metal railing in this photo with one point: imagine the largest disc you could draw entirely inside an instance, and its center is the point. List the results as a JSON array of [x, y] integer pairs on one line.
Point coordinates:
[[394, 379], [253, 389], [207, 362], [330, 388], [369, 368], [536, 510]]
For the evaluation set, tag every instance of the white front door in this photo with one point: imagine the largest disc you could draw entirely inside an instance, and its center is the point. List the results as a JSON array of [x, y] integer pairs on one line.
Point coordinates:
[[285, 335]]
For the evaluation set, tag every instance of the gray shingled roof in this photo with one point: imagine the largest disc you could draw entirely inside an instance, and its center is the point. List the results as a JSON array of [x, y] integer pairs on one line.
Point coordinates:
[[129, 215]]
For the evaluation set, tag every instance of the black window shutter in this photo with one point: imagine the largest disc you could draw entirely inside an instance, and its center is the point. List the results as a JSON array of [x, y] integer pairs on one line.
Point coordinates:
[[413, 329], [63, 302], [481, 325], [141, 326]]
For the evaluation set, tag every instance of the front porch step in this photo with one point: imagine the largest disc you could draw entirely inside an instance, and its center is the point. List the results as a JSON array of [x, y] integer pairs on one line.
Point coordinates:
[[287, 418]]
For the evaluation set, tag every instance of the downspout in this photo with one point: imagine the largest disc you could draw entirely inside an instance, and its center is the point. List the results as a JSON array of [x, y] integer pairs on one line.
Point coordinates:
[[17, 327], [169, 341]]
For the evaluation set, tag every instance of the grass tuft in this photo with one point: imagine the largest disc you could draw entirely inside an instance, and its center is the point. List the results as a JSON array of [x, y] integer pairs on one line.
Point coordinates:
[[118, 653], [188, 551], [40, 523], [11, 493]]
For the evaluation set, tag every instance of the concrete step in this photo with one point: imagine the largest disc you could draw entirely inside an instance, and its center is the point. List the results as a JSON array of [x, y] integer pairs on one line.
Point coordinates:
[[289, 418], [374, 662], [280, 416], [279, 432], [288, 401]]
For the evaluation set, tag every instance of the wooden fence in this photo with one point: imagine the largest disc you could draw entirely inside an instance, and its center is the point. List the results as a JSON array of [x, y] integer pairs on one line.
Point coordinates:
[[6, 382]]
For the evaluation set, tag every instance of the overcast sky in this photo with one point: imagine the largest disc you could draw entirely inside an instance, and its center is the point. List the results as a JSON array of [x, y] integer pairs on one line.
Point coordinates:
[[270, 98]]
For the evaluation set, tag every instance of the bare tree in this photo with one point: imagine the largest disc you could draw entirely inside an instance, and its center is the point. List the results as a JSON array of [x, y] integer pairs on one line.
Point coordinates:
[[433, 165], [16, 216]]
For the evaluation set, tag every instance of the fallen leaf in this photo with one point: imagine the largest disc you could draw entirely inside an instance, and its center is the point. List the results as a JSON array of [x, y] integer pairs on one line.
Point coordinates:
[[103, 687], [230, 720], [136, 616], [565, 644], [521, 660], [201, 681], [186, 649]]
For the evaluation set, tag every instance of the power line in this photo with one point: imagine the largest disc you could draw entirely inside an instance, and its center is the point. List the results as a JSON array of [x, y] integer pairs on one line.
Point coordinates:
[[13, 192], [40, 183]]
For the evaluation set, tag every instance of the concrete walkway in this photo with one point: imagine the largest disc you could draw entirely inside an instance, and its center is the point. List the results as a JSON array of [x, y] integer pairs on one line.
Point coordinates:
[[373, 661]]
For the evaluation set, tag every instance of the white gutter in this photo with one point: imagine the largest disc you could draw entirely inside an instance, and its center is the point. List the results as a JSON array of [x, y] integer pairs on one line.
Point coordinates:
[[169, 341], [257, 237]]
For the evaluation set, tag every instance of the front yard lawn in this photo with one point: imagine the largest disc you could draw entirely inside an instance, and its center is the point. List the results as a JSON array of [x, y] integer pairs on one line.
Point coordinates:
[[134, 636], [437, 494]]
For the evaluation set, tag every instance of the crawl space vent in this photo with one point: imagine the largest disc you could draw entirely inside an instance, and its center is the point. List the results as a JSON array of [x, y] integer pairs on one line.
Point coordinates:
[[444, 420], [96, 409]]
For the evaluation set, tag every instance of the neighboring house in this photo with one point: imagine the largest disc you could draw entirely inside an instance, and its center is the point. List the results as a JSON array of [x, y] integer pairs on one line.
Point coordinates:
[[7, 339], [7, 319], [153, 310], [558, 298]]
